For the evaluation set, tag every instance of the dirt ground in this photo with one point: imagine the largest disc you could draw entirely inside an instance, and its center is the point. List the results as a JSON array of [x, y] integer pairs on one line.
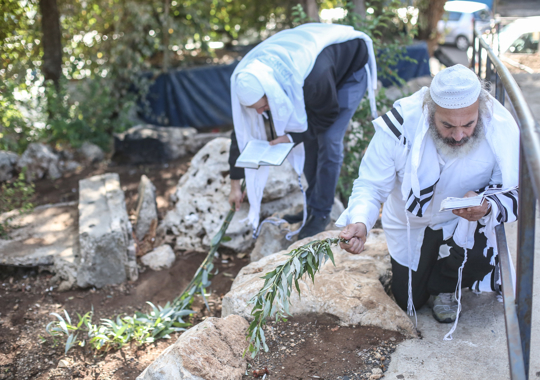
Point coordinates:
[[26, 302], [303, 348], [317, 347]]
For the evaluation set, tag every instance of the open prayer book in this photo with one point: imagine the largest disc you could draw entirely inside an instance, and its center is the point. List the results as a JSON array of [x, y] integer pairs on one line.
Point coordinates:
[[261, 153], [451, 203]]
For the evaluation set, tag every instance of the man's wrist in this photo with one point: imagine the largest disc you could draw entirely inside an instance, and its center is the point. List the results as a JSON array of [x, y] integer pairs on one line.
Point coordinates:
[[488, 208]]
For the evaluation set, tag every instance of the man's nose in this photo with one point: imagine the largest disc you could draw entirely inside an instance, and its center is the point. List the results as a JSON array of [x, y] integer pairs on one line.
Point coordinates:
[[458, 135]]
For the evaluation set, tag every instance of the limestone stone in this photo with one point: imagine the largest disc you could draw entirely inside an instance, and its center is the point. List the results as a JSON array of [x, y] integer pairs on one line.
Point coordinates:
[[41, 236], [38, 159], [150, 144], [160, 258], [211, 350], [272, 238], [353, 290], [53, 171], [105, 233], [91, 153], [201, 139], [146, 207], [202, 201], [8, 163]]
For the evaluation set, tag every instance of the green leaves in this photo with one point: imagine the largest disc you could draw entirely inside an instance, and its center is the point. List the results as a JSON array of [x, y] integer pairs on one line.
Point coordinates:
[[273, 298]]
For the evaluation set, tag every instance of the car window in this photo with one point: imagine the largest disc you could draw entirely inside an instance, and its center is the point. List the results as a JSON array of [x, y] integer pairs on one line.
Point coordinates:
[[526, 44], [452, 16], [482, 15]]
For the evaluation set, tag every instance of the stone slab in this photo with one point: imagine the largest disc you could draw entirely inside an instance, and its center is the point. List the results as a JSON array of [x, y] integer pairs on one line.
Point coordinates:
[[105, 233], [48, 231]]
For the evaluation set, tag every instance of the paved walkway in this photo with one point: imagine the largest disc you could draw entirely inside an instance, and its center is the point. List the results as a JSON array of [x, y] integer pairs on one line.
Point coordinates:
[[478, 350]]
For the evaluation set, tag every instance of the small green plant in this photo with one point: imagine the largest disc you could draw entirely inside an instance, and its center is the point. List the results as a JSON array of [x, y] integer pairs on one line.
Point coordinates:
[[273, 298], [15, 195]]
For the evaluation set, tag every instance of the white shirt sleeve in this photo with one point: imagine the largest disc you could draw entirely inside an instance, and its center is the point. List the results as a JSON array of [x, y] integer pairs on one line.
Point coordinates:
[[376, 179], [496, 176]]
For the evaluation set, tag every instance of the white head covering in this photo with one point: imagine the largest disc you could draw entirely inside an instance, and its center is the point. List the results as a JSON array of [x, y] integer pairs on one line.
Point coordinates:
[[455, 87], [280, 64], [248, 89]]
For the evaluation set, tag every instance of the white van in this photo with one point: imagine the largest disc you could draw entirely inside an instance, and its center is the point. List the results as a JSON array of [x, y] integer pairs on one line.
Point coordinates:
[[456, 24]]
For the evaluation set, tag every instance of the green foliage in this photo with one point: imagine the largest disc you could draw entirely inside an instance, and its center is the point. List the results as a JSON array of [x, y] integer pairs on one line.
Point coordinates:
[[95, 117], [15, 195], [357, 141], [16, 131], [273, 298], [113, 334]]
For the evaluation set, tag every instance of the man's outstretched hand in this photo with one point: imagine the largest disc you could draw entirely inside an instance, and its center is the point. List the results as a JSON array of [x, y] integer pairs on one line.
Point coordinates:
[[280, 140], [356, 233], [236, 196]]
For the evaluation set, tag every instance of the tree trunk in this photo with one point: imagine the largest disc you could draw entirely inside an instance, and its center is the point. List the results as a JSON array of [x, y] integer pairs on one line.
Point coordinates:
[[51, 41], [359, 7], [311, 8], [429, 14], [166, 59]]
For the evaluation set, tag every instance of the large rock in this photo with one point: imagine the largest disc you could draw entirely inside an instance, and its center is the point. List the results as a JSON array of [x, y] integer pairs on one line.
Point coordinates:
[[160, 258], [272, 237], [146, 210], [91, 153], [8, 163], [152, 144], [353, 290], [105, 233], [202, 205], [201, 139], [212, 350], [39, 160]]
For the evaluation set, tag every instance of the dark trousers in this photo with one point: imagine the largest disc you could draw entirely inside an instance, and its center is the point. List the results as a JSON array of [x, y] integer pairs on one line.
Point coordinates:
[[440, 276], [324, 152]]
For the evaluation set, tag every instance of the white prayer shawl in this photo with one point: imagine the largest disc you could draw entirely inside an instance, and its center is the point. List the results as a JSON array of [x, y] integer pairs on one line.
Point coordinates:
[[281, 63], [408, 123]]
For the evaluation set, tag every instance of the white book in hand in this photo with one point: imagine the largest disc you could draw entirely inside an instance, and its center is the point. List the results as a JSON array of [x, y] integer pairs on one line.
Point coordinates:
[[451, 203], [261, 153]]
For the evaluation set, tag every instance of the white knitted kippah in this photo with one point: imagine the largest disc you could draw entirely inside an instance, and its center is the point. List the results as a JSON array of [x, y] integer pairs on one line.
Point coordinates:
[[248, 89], [455, 87]]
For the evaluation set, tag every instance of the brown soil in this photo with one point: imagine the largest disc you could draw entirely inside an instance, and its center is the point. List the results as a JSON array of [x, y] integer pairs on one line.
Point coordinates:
[[316, 347], [26, 302]]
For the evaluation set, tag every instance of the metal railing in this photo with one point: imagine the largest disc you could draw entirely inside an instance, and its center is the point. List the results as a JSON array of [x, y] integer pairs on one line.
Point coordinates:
[[518, 304]]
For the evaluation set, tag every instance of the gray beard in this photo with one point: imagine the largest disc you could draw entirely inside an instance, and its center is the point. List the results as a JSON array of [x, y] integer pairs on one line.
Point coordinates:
[[444, 145]]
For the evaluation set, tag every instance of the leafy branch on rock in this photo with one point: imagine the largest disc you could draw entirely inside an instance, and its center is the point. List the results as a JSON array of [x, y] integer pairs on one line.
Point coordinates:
[[274, 296], [159, 323]]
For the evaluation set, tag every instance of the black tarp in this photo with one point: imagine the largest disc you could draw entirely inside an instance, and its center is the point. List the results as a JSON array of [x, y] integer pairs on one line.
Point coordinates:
[[201, 97]]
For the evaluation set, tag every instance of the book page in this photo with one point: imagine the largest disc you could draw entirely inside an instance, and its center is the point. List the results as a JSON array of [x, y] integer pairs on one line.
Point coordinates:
[[254, 151], [457, 203], [276, 154]]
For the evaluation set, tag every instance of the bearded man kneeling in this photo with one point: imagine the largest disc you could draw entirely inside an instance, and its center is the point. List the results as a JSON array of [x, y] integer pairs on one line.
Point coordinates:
[[450, 140]]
